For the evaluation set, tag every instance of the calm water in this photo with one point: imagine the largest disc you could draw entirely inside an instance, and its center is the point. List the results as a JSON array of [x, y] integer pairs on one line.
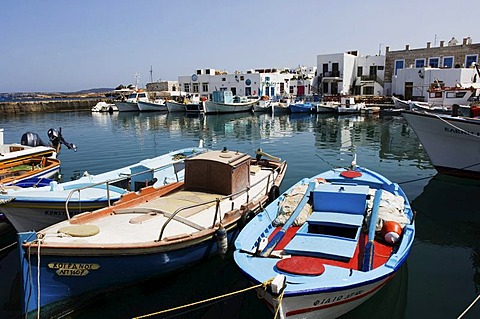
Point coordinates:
[[440, 279]]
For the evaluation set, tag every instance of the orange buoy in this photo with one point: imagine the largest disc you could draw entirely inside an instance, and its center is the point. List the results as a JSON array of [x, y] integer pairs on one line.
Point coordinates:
[[391, 232]]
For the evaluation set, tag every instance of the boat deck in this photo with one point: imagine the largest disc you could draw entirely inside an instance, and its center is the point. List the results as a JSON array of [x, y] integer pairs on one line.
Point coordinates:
[[143, 222]]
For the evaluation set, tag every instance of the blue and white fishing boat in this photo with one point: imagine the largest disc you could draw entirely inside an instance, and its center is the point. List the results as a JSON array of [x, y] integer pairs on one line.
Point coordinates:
[[38, 207], [327, 244], [225, 102], [146, 234]]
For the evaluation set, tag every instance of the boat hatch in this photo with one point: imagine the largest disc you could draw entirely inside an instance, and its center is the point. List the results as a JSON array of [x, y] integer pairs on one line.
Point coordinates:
[[333, 229], [220, 172]]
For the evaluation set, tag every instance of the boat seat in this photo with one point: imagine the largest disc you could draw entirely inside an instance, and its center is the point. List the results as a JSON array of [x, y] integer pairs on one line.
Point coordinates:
[[327, 234]]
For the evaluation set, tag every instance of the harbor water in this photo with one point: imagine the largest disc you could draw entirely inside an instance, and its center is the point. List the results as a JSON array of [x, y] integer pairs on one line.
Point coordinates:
[[440, 279]]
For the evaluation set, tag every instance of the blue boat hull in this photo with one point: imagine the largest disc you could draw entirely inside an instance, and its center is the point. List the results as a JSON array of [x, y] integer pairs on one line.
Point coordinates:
[[69, 281]]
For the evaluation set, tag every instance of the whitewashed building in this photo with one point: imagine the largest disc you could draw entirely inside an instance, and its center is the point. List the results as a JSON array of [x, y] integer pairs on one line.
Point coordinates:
[[347, 73], [258, 82]]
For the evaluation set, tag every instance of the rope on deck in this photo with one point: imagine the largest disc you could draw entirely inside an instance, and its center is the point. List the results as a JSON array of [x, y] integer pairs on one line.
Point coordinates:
[[264, 285], [468, 308]]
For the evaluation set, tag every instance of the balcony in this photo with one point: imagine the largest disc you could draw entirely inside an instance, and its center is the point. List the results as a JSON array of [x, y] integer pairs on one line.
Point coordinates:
[[371, 78], [331, 74]]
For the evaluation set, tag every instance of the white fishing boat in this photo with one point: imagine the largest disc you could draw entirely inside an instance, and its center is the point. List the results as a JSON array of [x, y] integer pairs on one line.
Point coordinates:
[[348, 105], [131, 103], [327, 107], [104, 107], [152, 106], [225, 102], [175, 106], [451, 142]]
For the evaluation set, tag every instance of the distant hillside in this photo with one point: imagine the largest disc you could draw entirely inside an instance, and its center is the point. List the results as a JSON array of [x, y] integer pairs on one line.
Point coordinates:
[[97, 90]]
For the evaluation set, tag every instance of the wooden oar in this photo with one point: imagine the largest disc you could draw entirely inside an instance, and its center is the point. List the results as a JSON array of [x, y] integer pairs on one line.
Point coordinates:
[[369, 247], [278, 236]]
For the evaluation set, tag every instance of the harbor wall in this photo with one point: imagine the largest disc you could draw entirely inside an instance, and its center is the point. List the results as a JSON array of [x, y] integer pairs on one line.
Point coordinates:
[[48, 106]]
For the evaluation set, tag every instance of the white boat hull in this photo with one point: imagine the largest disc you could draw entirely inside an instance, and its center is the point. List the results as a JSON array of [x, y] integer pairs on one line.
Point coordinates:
[[173, 106], [151, 107], [452, 144], [215, 107], [127, 106]]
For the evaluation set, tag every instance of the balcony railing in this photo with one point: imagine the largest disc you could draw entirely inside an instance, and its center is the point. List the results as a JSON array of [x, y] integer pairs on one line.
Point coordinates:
[[331, 74], [374, 78]]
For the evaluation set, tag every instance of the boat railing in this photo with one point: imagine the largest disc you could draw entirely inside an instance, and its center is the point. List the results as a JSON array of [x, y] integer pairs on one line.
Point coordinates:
[[123, 177], [220, 199]]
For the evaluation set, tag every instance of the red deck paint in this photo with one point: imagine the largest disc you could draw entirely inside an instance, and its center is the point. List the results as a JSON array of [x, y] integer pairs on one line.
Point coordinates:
[[302, 265], [382, 251], [350, 174]]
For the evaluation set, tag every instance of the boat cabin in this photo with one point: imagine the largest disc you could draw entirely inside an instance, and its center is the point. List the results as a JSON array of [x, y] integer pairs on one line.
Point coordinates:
[[220, 172]]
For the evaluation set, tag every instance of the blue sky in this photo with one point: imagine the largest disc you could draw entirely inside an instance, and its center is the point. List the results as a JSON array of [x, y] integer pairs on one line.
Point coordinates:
[[51, 46]]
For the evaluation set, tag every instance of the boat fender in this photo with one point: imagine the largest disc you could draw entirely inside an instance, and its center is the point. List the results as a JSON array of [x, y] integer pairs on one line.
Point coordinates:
[[222, 243], [274, 193], [245, 218], [391, 232]]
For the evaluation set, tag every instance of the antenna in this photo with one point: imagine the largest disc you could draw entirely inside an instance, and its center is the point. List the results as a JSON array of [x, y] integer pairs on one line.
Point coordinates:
[[137, 77], [151, 74]]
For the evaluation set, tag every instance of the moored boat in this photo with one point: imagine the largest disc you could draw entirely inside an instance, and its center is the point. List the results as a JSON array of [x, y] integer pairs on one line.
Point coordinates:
[[152, 106], [174, 106], [225, 102], [309, 248], [348, 105], [24, 169], [451, 142], [131, 102], [162, 229], [39, 207]]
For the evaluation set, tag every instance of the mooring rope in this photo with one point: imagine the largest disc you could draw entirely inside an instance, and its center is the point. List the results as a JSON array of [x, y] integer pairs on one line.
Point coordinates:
[[456, 127], [206, 300], [468, 308], [8, 246]]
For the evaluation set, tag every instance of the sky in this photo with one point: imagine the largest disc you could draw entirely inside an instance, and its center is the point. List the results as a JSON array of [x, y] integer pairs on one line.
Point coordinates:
[[67, 46]]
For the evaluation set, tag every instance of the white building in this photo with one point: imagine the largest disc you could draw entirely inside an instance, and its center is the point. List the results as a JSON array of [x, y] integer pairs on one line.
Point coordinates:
[[348, 73], [414, 82], [270, 82]]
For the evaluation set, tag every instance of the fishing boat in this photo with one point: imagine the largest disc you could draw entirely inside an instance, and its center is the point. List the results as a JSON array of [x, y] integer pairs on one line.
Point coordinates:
[[37, 207], [451, 142], [348, 105], [32, 158], [225, 102], [327, 107], [130, 104], [152, 106], [174, 106], [30, 145], [24, 169], [328, 243], [103, 106], [149, 233]]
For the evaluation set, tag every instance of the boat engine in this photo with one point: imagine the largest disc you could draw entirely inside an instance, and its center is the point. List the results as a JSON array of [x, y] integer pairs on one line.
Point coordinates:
[[55, 137]]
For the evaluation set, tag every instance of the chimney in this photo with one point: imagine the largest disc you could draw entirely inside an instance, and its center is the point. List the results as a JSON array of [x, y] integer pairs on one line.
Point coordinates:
[[441, 43], [465, 41], [407, 47], [428, 45], [387, 49]]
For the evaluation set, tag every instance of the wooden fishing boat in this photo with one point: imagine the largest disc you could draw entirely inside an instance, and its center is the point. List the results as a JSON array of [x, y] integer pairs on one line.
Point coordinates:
[[39, 207], [150, 233], [26, 168], [327, 244]]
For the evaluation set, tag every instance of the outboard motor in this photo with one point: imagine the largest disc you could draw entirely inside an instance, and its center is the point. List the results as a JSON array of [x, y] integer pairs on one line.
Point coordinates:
[[56, 139], [32, 139]]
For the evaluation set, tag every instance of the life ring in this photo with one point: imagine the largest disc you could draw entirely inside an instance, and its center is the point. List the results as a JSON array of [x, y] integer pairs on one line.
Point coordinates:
[[273, 193]]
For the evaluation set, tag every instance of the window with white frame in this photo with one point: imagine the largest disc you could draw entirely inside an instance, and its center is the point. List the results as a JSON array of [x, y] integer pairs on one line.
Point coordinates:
[[469, 59], [448, 62], [419, 63], [434, 62]]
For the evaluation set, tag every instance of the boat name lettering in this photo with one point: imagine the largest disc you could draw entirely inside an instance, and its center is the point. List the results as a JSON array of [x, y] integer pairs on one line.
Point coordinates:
[[337, 298], [459, 131], [73, 266], [72, 272], [55, 213]]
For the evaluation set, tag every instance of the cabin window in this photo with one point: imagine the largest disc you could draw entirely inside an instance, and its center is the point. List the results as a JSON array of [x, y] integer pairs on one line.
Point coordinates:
[[435, 94], [455, 95], [419, 63], [469, 59], [434, 62], [448, 62], [204, 87], [399, 64]]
